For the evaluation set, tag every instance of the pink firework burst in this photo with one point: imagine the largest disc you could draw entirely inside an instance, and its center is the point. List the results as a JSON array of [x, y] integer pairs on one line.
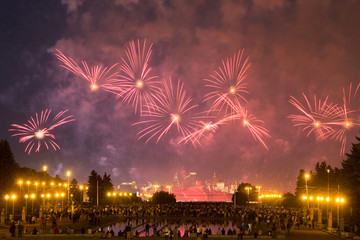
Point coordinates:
[[346, 119], [37, 130], [314, 118], [98, 76], [227, 84], [173, 110], [248, 121], [140, 88]]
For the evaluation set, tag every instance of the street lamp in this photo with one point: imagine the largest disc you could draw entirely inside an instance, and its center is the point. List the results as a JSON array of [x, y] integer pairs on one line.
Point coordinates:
[[20, 183], [13, 198], [169, 187], [6, 201], [82, 193], [248, 190], [156, 186], [26, 197], [258, 187], [32, 204], [307, 176], [28, 184], [62, 200], [68, 173]]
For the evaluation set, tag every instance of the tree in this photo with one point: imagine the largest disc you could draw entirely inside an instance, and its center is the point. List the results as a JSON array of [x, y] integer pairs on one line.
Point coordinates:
[[75, 192], [351, 178], [93, 182], [163, 198], [8, 166], [245, 193], [289, 200]]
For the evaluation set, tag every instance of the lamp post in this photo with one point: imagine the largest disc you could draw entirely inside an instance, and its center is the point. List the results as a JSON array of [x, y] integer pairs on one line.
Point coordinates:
[[20, 183], [28, 184], [258, 187], [43, 183], [307, 176], [82, 193], [169, 187], [328, 192], [68, 173], [6, 201], [248, 190], [13, 198], [62, 200], [156, 186], [32, 204], [36, 185], [26, 197]]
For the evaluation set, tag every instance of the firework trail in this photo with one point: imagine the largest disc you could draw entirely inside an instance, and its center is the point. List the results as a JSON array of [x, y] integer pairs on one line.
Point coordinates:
[[139, 87], [98, 76], [314, 118], [173, 110], [38, 129], [227, 84]]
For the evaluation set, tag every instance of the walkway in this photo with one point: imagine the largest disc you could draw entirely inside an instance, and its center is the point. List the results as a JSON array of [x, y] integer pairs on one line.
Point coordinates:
[[310, 234]]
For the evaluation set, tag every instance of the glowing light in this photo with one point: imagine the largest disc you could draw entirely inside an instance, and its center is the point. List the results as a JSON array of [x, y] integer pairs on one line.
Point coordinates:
[[232, 89], [6, 197], [139, 84], [13, 197], [245, 122], [337, 200], [114, 194], [317, 124], [26, 196], [327, 199], [304, 197], [342, 200], [56, 195], [39, 134], [32, 196], [311, 198], [94, 87]]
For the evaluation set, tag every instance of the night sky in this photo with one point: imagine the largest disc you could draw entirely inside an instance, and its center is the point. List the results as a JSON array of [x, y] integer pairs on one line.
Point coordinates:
[[293, 46]]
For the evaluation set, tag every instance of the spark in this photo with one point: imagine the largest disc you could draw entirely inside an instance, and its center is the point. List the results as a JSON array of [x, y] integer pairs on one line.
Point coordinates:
[[98, 76], [139, 87], [173, 110], [37, 130], [227, 84]]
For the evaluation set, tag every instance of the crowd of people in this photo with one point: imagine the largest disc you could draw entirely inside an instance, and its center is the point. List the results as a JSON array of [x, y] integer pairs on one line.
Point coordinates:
[[256, 220]]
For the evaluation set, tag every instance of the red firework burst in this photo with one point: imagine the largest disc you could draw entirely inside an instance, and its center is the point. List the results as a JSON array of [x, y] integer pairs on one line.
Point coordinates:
[[37, 130], [227, 84], [98, 76], [139, 87]]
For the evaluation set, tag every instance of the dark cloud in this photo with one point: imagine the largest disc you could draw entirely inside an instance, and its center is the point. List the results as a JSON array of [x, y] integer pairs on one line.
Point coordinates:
[[294, 46]]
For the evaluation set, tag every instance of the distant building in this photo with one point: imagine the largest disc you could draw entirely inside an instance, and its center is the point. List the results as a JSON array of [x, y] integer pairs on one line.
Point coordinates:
[[127, 187]]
